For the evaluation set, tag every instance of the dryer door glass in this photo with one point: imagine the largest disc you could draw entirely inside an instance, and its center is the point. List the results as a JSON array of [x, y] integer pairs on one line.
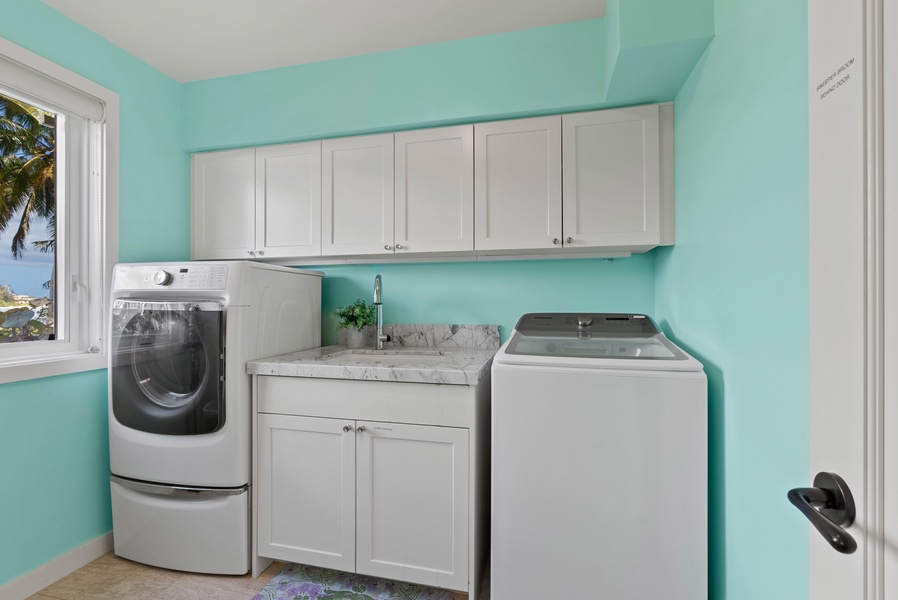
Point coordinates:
[[167, 366]]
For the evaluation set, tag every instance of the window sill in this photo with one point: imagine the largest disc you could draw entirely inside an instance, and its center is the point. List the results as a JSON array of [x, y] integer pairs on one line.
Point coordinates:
[[50, 366]]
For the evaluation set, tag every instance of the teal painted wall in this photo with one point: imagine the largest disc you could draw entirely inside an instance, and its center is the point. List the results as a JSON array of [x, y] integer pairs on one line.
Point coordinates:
[[494, 293], [522, 73], [54, 468], [734, 289], [54, 461]]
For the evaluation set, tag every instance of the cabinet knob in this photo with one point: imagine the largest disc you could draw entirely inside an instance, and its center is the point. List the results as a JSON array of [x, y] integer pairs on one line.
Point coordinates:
[[570, 240], [249, 252], [347, 428], [260, 253], [388, 247], [361, 429], [399, 246], [556, 241]]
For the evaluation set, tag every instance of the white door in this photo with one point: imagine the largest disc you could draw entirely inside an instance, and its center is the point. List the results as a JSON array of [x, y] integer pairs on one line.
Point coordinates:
[[854, 287], [413, 503], [288, 200], [306, 495], [357, 195], [435, 190], [517, 185], [222, 204]]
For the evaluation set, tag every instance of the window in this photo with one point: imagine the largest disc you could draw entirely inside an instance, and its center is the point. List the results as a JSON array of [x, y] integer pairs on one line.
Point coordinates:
[[58, 184]]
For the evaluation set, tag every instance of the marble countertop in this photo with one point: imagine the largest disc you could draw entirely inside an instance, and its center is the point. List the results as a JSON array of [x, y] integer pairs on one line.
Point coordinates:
[[437, 354]]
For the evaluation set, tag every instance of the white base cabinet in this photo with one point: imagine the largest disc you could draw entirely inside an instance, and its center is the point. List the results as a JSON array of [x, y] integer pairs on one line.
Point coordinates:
[[397, 494]]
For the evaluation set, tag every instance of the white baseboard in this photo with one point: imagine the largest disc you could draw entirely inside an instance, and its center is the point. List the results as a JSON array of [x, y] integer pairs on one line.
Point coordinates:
[[33, 582]]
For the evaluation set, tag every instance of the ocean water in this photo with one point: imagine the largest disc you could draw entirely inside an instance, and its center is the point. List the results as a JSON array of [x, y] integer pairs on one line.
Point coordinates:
[[26, 277], [28, 274]]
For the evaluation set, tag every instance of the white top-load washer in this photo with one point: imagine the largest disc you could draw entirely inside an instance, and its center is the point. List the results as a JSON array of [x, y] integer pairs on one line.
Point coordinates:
[[599, 461]]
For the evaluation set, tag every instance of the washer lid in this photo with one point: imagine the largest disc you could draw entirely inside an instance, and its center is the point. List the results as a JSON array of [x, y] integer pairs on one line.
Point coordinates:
[[597, 340], [606, 324]]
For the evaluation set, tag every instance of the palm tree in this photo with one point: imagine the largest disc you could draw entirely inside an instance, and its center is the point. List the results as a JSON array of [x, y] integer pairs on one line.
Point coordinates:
[[27, 171]]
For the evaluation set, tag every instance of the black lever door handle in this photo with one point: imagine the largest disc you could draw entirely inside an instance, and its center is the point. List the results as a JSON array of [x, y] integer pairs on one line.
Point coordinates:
[[829, 506]]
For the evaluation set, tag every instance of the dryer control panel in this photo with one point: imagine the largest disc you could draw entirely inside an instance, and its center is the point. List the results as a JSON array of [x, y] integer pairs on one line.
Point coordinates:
[[183, 276]]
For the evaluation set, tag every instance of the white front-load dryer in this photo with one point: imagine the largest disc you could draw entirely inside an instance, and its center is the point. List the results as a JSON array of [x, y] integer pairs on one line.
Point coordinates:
[[599, 461], [180, 410]]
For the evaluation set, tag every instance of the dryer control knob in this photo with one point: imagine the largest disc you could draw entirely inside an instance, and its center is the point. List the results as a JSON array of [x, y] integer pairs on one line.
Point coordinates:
[[162, 277], [584, 321]]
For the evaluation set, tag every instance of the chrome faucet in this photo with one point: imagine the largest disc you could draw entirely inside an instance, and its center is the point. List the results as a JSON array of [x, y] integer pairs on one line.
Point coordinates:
[[379, 315]]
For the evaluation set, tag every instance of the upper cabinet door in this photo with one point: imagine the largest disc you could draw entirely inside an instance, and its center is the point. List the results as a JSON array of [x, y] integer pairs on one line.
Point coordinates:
[[222, 209], [357, 195], [288, 200], [517, 175], [435, 190], [612, 178]]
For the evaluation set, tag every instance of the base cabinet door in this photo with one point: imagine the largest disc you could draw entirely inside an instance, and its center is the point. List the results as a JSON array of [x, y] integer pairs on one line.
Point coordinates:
[[306, 495], [412, 514]]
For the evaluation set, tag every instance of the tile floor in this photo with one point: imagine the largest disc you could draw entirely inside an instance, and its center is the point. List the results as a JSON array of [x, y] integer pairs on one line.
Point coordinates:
[[113, 578]]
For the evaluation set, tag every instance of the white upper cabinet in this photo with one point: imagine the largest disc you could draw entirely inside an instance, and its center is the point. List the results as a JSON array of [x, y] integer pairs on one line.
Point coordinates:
[[223, 204], [288, 200], [615, 195], [612, 179], [517, 174], [595, 183], [434, 205], [257, 203], [357, 195]]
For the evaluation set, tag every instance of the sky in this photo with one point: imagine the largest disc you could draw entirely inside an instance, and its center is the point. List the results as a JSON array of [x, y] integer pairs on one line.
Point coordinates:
[[27, 274]]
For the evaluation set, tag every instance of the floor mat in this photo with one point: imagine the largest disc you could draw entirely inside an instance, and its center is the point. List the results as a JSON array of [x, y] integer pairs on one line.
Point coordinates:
[[299, 582]]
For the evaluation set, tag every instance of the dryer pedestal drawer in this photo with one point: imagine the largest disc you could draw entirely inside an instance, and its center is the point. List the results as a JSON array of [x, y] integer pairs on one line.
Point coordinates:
[[187, 532]]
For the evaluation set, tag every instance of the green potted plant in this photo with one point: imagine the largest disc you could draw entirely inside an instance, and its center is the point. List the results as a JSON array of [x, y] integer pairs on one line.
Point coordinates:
[[355, 318]]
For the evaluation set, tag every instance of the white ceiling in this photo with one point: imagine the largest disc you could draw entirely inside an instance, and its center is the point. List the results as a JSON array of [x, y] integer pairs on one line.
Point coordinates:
[[191, 40]]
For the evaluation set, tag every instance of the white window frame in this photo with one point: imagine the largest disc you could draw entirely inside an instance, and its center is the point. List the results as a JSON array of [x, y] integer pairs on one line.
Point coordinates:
[[87, 243]]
